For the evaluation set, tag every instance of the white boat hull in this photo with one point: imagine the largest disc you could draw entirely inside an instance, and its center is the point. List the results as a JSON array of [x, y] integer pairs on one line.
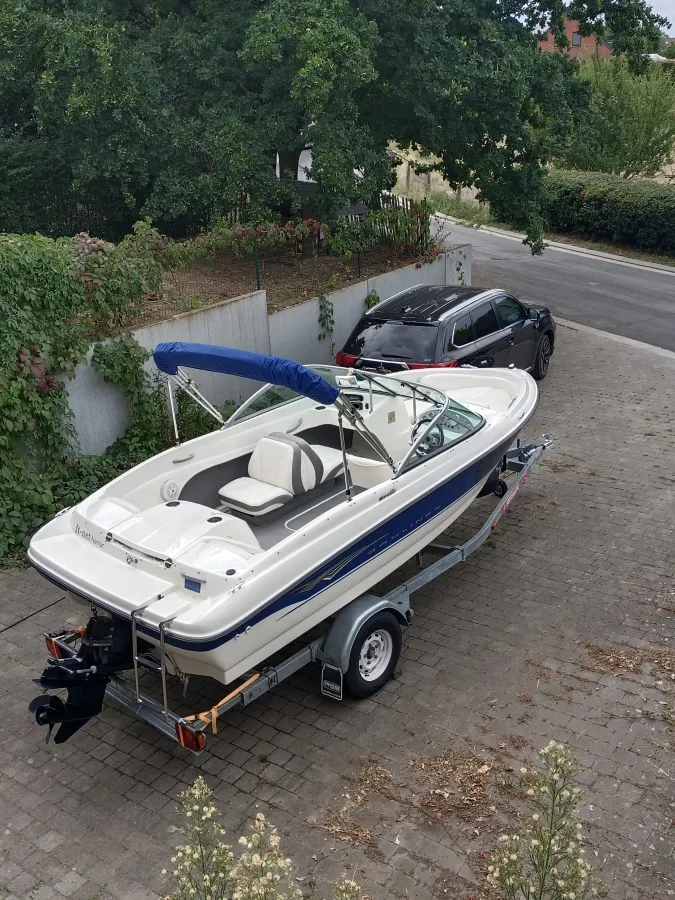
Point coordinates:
[[276, 596]]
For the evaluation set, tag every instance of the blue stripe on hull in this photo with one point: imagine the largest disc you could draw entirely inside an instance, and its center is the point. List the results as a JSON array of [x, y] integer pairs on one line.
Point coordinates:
[[362, 551], [353, 557]]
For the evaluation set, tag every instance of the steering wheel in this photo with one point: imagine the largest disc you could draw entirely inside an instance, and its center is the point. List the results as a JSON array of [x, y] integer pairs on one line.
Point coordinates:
[[434, 439]]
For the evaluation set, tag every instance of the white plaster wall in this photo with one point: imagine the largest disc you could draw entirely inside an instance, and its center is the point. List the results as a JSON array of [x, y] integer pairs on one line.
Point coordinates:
[[99, 409]]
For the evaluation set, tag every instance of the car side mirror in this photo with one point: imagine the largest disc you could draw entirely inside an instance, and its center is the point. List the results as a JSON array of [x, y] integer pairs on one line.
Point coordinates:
[[534, 314]]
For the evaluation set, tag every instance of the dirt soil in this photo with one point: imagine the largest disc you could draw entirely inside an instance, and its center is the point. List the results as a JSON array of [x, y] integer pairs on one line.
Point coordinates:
[[286, 279]]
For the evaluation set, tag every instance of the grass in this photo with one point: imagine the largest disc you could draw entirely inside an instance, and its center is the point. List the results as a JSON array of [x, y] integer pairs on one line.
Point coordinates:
[[616, 249], [467, 210]]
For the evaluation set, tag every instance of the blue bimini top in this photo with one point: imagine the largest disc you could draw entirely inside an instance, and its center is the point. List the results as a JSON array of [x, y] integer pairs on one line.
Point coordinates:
[[256, 366]]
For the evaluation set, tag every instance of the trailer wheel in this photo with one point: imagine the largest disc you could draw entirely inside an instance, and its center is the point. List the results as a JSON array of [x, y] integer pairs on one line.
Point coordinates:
[[374, 655], [502, 488]]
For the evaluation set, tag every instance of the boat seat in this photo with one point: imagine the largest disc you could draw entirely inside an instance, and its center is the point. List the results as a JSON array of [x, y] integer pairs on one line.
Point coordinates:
[[281, 467]]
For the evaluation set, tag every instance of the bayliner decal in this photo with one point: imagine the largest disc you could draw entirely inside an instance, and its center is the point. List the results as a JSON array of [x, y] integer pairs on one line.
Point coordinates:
[[88, 536]]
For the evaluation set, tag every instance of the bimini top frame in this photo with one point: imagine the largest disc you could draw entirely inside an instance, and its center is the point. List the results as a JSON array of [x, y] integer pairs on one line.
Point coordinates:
[[169, 357]]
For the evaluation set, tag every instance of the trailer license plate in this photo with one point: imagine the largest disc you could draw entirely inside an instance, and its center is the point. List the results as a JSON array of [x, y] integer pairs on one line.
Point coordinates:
[[331, 682]]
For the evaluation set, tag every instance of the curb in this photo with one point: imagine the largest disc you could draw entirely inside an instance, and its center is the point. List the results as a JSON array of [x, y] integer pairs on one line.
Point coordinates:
[[618, 338], [567, 248]]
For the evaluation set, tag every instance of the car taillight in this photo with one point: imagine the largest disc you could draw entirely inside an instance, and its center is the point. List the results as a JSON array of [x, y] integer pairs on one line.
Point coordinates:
[[443, 365], [191, 740], [345, 359]]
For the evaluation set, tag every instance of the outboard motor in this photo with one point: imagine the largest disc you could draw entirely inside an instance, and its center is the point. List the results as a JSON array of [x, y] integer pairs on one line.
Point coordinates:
[[105, 648]]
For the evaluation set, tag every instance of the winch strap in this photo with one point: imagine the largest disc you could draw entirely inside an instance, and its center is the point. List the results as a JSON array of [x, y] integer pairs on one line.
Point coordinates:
[[210, 716]]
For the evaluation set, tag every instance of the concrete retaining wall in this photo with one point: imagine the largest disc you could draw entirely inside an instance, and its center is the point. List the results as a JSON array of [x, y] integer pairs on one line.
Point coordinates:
[[99, 409]]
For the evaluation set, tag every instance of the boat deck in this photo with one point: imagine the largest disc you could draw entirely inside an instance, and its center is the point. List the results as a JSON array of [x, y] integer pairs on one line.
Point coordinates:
[[272, 528]]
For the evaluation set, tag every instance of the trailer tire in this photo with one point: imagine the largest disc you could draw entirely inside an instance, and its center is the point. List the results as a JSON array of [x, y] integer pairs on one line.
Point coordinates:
[[374, 654]]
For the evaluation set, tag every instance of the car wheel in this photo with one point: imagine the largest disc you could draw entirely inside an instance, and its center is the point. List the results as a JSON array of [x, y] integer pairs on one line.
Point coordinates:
[[375, 653], [543, 358]]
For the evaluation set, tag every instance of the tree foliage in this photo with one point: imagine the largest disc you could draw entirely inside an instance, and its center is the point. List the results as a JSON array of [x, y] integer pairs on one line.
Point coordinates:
[[177, 109], [628, 127]]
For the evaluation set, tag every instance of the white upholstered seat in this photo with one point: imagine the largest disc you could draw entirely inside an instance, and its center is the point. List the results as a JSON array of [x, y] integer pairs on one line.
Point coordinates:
[[281, 467]]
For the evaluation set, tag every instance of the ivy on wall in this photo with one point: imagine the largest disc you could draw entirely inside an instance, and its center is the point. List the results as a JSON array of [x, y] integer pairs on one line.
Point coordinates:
[[56, 298], [60, 296]]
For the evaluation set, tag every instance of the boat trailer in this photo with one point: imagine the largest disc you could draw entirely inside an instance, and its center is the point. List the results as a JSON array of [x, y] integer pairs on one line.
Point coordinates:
[[333, 649]]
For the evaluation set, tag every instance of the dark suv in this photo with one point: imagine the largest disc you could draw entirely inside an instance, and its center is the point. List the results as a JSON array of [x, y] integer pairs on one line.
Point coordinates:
[[430, 325]]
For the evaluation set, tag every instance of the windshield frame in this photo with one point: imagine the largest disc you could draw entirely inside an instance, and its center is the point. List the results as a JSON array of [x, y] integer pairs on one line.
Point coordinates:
[[406, 464], [239, 415]]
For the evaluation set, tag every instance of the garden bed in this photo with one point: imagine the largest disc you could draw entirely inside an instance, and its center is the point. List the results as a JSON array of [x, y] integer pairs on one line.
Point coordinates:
[[286, 279]]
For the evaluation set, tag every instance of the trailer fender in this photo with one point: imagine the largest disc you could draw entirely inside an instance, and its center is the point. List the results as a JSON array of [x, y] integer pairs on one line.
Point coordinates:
[[337, 646]]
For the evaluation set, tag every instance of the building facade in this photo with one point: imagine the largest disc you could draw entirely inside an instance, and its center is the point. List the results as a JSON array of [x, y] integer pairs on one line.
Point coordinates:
[[581, 46]]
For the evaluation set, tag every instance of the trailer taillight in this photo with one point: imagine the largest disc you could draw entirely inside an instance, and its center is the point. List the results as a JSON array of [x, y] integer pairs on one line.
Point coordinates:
[[53, 648], [191, 740]]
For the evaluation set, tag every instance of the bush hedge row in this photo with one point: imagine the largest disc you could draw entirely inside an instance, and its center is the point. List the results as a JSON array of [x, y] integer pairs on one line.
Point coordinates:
[[635, 212]]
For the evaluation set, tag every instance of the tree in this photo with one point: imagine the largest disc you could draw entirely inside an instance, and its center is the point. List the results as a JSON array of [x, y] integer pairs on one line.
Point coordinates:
[[628, 128], [177, 109]]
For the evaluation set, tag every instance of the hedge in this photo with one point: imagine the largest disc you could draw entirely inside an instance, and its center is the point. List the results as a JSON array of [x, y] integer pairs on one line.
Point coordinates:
[[637, 213]]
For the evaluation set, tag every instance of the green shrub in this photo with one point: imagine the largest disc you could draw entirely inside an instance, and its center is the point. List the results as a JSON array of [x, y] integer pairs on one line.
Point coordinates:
[[637, 213]]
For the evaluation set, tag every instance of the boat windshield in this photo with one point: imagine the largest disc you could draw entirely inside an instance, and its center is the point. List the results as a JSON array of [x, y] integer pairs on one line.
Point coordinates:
[[262, 401], [434, 432], [437, 422], [273, 395], [379, 384]]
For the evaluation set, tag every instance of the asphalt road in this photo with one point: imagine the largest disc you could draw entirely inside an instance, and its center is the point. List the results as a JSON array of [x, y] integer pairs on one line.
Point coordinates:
[[620, 297]]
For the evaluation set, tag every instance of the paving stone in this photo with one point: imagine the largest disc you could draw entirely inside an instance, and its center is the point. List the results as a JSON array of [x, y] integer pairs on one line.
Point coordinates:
[[585, 555]]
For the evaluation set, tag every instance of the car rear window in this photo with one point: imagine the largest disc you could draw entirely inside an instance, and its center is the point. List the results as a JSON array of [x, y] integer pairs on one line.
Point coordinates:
[[380, 339]]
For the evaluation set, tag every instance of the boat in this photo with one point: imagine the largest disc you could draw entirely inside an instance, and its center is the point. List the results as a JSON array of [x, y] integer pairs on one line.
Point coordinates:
[[223, 550]]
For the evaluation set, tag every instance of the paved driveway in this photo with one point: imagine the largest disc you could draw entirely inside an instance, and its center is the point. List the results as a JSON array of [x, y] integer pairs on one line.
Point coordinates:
[[495, 665]]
